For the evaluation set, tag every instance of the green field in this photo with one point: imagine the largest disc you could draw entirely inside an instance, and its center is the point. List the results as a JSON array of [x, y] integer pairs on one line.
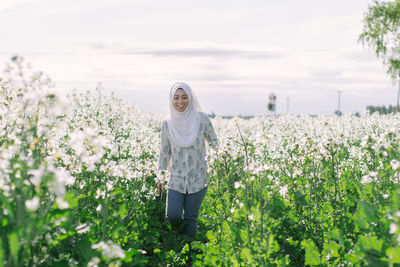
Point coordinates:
[[77, 187]]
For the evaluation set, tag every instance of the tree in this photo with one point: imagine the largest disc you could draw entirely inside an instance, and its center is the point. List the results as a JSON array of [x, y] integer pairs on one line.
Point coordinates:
[[382, 32], [272, 102], [338, 113], [381, 109]]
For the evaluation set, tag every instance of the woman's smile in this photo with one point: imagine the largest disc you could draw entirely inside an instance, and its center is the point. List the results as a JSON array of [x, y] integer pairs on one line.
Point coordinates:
[[180, 100]]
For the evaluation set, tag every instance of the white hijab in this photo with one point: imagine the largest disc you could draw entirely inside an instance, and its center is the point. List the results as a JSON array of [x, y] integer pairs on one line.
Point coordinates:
[[183, 126]]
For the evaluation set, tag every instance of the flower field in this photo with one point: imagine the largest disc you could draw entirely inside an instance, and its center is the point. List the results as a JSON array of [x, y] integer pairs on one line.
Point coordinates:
[[78, 186]]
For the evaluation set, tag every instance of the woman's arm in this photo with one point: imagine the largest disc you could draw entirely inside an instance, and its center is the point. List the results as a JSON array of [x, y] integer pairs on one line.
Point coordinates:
[[163, 162], [210, 133], [165, 149]]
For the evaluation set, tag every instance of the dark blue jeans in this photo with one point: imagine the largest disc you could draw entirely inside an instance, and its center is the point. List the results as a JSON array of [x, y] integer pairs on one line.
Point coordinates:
[[184, 208]]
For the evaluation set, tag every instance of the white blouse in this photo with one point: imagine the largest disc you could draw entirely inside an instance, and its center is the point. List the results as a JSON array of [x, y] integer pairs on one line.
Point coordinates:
[[188, 168]]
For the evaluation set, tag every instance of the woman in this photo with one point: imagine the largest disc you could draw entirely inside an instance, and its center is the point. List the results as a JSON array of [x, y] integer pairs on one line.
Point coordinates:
[[183, 150]]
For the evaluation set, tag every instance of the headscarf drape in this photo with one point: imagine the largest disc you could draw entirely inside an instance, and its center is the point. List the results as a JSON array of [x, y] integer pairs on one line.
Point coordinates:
[[183, 126]]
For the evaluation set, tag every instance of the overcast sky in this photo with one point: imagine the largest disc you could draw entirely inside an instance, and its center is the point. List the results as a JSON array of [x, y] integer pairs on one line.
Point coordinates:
[[232, 53]]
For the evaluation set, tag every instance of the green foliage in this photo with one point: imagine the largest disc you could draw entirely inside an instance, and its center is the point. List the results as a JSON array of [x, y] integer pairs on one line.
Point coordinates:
[[382, 33], [89, 196], [382, 109]]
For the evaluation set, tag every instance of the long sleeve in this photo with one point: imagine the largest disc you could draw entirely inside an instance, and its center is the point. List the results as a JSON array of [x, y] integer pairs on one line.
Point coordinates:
[[210, 133], [165, 149], [185, 168]]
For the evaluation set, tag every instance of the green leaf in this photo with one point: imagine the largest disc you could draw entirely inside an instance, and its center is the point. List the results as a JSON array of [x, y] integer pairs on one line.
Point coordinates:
[[312, 254], [246, 255], [393, 254], [4, 222], [83, 249], [335, 234], [14, 245], [370, 210], [331, 249], [132, 252], [122, 212], [272, 244], [71, 199], [360, 220], [1, 252], [370, 243], [211, 236], [352, 258]]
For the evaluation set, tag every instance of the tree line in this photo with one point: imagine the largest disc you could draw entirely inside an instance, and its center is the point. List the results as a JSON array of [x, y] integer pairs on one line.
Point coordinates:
[[382, 109]]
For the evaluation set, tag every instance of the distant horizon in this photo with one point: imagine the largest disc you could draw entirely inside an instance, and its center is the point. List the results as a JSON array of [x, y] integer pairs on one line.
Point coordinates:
[[210, 113], [233, 54]]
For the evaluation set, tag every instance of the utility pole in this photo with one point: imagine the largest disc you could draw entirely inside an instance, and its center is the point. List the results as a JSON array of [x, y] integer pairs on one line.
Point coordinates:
[[398, 95], [339, 92], [287, 104]]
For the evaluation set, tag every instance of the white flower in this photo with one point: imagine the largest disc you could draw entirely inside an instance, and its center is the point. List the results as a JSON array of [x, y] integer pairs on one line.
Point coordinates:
[[144, 252], [61, 203], [109, 185], [32, 204], [36, 178], [251, 217], [83, 228], [284, 189], [373, 174], [364, 141], [366, 179], [94, 262], [100, 193], [232, 210], [60, 220], [62, 179], [76, 142], [395, 164], [109, 249], [82, 184], [238, 184], [393, 228]]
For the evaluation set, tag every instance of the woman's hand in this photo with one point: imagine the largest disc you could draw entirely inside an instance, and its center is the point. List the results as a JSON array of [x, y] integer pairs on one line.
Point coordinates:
[[161, 179], [160, 188]]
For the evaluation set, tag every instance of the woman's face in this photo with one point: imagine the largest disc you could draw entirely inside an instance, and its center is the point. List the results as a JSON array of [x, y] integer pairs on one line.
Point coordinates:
[[180, 100]]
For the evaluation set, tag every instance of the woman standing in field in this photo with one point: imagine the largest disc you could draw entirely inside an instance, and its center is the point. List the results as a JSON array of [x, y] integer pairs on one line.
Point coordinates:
[[183, 150]]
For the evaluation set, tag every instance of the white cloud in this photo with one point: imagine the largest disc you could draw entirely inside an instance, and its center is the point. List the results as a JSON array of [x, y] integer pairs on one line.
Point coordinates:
[[7, 5], [231, 52], [183, 50]]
